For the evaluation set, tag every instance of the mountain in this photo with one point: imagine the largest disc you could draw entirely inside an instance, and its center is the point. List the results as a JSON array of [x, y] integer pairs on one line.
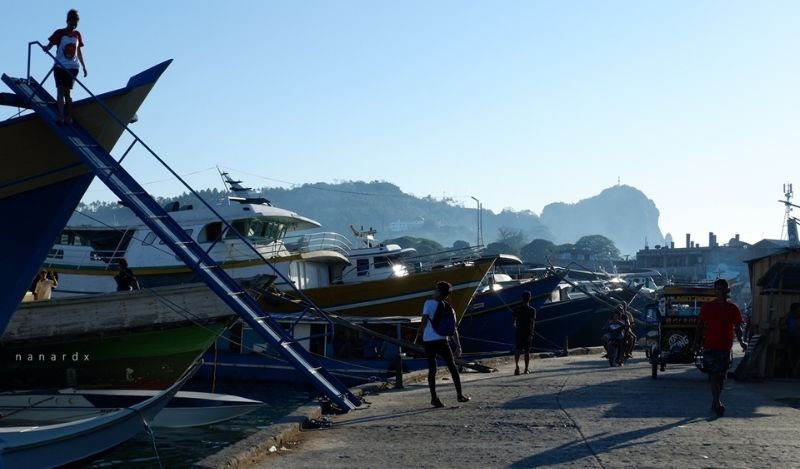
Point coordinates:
[[621, 213], [394, 214]]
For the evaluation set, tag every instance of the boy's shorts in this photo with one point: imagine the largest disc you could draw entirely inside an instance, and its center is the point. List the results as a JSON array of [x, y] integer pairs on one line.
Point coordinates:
[[65, 78]]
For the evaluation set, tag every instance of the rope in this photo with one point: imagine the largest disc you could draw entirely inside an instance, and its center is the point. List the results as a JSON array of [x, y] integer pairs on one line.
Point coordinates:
[[152, 436]]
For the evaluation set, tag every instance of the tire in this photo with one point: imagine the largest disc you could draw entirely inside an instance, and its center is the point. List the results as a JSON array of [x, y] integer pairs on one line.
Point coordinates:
[[613, 350]]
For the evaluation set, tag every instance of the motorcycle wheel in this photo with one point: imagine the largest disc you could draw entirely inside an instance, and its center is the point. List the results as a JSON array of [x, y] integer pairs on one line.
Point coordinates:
[[612, 354]]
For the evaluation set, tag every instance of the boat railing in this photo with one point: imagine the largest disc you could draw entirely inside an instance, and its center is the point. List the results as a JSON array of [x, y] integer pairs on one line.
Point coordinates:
[[439, 259], [320, 241]]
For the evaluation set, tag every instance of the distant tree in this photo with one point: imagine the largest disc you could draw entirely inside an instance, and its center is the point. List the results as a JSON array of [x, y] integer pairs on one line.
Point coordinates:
[[460, 244], [512, 238], [597, 247], [498, 248], [537, 251]]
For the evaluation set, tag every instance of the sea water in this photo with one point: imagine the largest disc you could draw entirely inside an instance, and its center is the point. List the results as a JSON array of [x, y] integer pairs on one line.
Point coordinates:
[[180, 447]]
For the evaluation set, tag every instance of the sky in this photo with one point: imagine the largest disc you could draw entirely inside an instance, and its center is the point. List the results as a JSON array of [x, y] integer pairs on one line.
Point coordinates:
[[515, 103]]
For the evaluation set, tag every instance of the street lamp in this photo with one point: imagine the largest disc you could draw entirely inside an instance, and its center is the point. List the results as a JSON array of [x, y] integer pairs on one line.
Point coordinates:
[[480, 220]]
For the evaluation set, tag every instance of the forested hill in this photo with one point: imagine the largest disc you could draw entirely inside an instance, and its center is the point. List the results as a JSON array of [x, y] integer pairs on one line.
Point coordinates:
[[621, 213]]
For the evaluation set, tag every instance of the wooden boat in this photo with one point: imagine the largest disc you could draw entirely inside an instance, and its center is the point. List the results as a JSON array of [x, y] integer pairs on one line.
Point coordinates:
[[395, 296], [353, 356], [186, 409], [139, 339], [40, 170], [56, 445]]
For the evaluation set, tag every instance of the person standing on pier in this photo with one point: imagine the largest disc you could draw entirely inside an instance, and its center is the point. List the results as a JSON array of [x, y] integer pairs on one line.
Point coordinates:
[[524, 317], [437, 344], [126, 280], [44, 286], [719, 320]]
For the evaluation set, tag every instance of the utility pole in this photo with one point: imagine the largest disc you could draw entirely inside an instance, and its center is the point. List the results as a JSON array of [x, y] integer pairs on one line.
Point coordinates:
[[480, 221]]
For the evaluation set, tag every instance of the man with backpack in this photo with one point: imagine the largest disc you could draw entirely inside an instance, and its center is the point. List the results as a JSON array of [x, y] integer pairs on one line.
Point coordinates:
[[438, 326]]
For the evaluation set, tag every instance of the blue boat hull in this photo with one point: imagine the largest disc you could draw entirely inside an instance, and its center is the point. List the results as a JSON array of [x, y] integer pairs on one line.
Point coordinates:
[[488, 329], [230, 367], [487, 325]]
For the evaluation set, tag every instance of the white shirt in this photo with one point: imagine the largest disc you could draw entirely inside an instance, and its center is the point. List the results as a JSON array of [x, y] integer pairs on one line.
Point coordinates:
[[44, 289], [429, 310]]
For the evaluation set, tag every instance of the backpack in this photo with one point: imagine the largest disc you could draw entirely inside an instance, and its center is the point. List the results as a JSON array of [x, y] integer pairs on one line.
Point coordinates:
[[444, 319]]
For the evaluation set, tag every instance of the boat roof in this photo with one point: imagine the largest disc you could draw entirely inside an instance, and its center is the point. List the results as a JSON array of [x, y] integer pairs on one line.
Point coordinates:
[[199, 214]]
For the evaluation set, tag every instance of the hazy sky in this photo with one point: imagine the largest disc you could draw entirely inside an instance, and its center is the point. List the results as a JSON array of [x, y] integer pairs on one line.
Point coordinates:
[[516, 103]]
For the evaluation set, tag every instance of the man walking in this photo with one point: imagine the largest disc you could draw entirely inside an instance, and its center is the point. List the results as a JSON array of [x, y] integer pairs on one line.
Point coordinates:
[[524, 317], [719, 320], [436, 344]]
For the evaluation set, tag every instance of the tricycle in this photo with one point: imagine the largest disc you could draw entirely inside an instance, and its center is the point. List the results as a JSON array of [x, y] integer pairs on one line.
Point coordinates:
[[672, 323]]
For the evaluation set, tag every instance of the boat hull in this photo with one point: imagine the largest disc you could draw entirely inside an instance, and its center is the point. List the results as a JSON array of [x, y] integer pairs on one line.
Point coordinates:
[[399, 296], [256, 368], [41, 171], [487, 328], [45, 446], [186, 409], [141, 339]]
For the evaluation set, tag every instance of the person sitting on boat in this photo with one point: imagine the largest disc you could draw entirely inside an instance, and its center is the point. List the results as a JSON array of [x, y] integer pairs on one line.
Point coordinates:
[[44, 286], [126, 281]]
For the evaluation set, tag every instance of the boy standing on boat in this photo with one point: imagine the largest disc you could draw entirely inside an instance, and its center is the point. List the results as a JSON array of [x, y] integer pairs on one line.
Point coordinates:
[[68, 56], [524, 317], [436, 344]]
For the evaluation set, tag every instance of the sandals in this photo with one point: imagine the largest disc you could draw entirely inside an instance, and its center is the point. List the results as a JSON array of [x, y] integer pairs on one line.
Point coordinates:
[[463, 398]]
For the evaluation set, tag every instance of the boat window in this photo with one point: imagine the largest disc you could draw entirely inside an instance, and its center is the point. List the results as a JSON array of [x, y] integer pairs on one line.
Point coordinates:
[[71, 238], [211, 232], [259, 229], [381, 262], [362, 267], [242, 226], [148, 240], [106, 244]]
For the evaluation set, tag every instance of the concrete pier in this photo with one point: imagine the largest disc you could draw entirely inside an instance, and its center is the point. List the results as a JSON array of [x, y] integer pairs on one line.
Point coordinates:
[[570, 412]]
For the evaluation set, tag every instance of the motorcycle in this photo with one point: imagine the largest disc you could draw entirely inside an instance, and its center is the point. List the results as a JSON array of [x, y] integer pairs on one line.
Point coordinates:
[[617, 344]]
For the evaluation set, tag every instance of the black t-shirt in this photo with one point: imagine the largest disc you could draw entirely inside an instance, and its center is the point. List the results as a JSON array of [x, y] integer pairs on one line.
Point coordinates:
[[525, 315]]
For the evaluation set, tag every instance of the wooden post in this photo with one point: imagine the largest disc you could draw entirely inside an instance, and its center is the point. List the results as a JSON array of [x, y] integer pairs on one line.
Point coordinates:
[[398, 370]]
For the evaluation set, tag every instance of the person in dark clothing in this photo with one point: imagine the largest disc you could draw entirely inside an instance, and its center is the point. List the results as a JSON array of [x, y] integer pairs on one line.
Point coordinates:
[[126, 281], [524, 318], [790, 335]]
